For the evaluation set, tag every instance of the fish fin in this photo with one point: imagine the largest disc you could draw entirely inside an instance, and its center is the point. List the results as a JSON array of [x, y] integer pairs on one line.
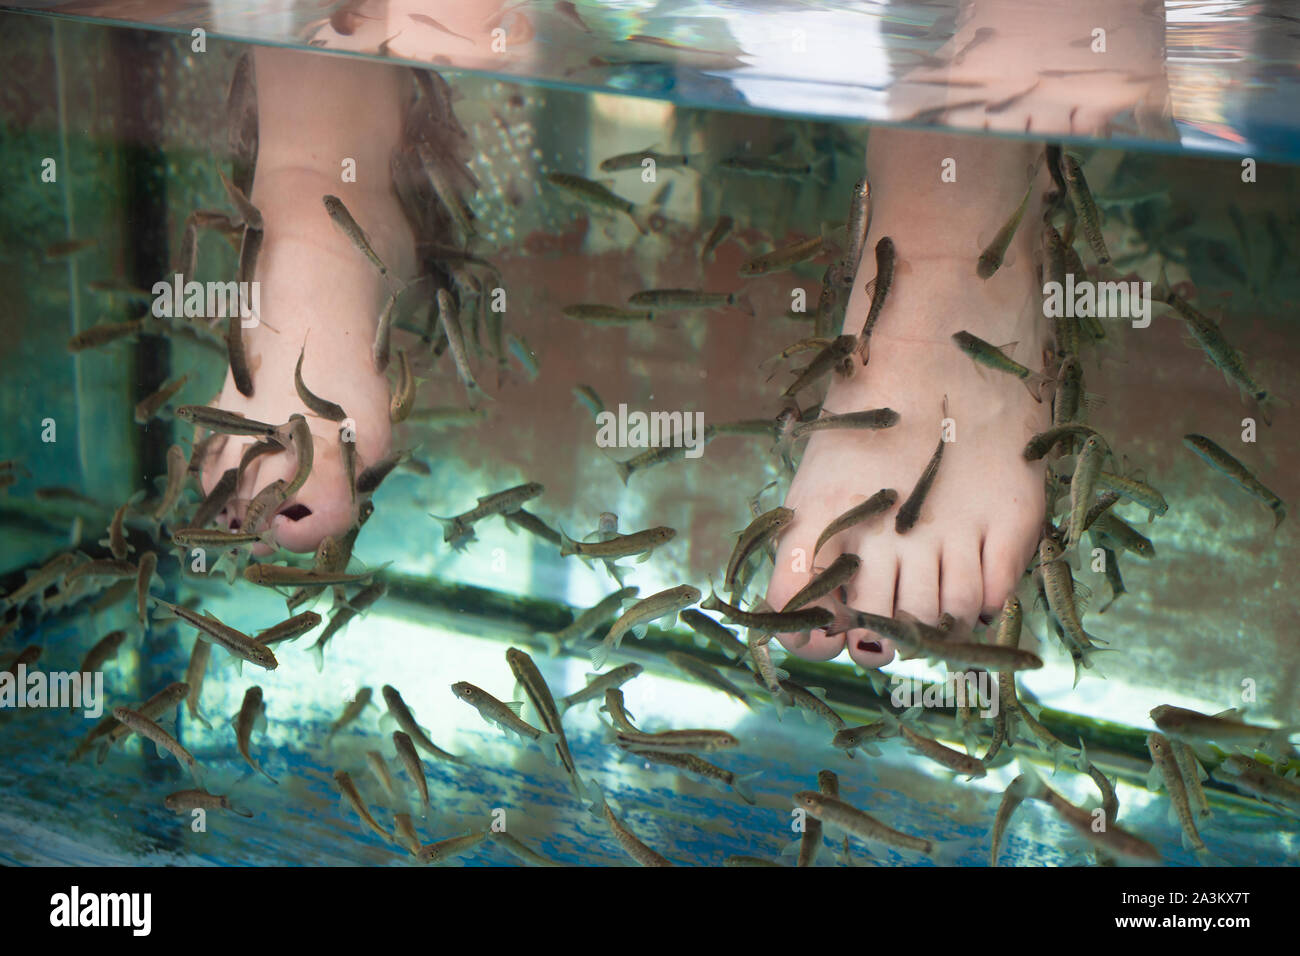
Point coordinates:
[[318, 656], [599, 655], [948, 852], [742, 785]]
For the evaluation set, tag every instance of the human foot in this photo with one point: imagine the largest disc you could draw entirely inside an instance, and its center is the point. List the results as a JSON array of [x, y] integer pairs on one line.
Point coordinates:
[[319, 294], [983, 515]]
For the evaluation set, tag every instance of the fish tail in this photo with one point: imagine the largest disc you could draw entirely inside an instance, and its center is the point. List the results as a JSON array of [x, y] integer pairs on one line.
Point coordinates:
[[743, 786], [842, 623], [624, 470], [600, 654], [948, 852], [1036, 383], [1279, 513], [641, 218], [318, 656]]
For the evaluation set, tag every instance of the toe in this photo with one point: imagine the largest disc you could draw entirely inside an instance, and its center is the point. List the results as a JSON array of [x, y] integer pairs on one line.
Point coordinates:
[[872, 590], [1004, 559], [793, 570], [961, 581]]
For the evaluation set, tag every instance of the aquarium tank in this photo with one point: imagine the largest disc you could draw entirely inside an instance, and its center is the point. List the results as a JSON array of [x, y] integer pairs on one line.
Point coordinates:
[[797, 434]]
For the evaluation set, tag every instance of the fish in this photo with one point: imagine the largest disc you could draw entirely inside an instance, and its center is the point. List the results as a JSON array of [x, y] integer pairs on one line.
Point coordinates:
[[910, 510], [776, 168], [1041, 444], [597, 196], [237, 643], [194, 674], [431, 22], [830, 358], [339, 214], [504, 715], [447, 193], [143, 577], [383, 334], [513, 845], [760, 658], [1194, 727], [1226, 464], [721, 229], [225, 422], [318, 406], [1012, 797], [872, 419], [990, 260], [851, 820], [1134, 490], [886, 259], [598, 314], [343, 780], [249, 215], [1190, 769], [1083, 483], [217, 538], [810, 700], [404, 833], [283, 575], [1065, 327], [406, 721], [871, 508], [105, 649], [368, 482], [618, 714], [102, 568], [448, 316], [1058, 585], [763, 529], [780, 259], [857, 229], [68, 247], [219, 496], [289, 629], [862, 737], [694, 763], [635, 619], [1166, 768], [360, 602], [598, 684], [114, 730], [240, 371], [40, 579], [177, 472], [710, 631], [403, 400], [451, 847], [1210, 338], [264, 505], [539, 694], [638, 851], [999, 359], [138, 723], [351, 712], [583, 624], [459, 530], [625, 161], [147, 408], [1118, 530], [410, 761], [116, 540], [1113, 840], [668, 300], [840, 571], [709, 675], [104, 333], [251, 716], [533, 525], [619, 546], [1085, 207], [677, 741], [931, 749], [590, 400], [1256, 779], [186, 801], [669, 451], [769, 621]]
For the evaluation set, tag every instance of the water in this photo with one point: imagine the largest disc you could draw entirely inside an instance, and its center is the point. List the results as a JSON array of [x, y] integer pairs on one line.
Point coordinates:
[[134, 122]]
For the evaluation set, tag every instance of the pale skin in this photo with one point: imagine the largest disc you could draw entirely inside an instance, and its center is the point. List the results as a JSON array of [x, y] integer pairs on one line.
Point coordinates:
[[983, 517]]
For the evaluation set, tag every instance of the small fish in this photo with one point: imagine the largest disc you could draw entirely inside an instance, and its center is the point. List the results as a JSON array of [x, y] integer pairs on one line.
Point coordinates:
[[534, 685], [597, 196], [873, 507], [1085, 207], [240, 371], [351, 712], [667, 300], [406, 721], [1113, 840], [403, 400], [304, 450], [776, 168], [1166, 767], [712, 632], [404, 833], [910, 510], [410, 761], [721, 229], [368, 482], [227, 423], [854, 822], [1225, 464], [764, 528], [147, 408], [708, 675], [116, 540], [590, 400], [533, 525], [511, 843], [618, 714], [448, 317], [186, 801], [220, 494], [781, 259], [1058, 585], [195, 671], [1209, 337], [289, 629], [68, 247], [237, 643], [840, 571], [283, 575], [635, 619], [144, 575], [447, 192], [360, 602], [355, 234], [670, 451], [1134, 490], [430, 22], [991, 258], [625, 161], [249, 215], [103, 568], [114, 730], [598, 314], [1194, 727], [1254, 778], [318, 406], [459, 530], [941, 754], [138, 723], [502, 714], [1041, 444], [251, 716], [383, 333], [608, 607], [863, 737], [343, 780], [771, 622], [1012, 797], [1118, 530], [677, 741], [598, 684], [177, 472], [857, 230], [694, 763], [1083, 483], [264, 505], [103, 333], [886, 258], [810, 700], [871, 419], [638, 851], [1190, 769], [830, 358], [999, 359], [40, 579], [105, 649], [619, 546], [217, 538]]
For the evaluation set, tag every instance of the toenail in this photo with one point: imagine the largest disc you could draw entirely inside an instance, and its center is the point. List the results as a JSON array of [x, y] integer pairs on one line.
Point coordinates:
[[234, 524], [986, 619], [296, 512], [871, 647]]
